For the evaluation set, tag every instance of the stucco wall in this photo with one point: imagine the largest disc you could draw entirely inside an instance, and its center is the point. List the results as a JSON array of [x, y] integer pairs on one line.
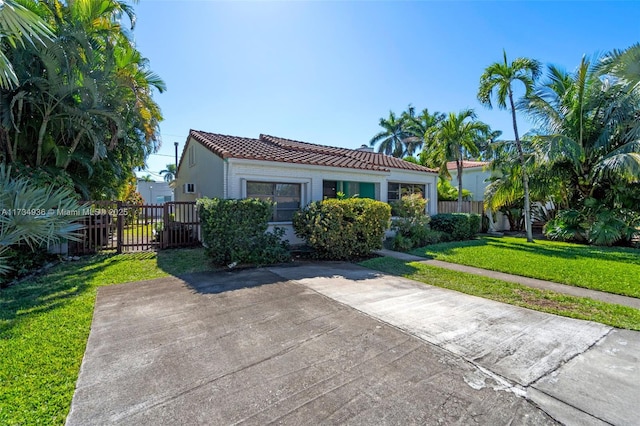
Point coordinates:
[[215, 177], [473, 179], [207, 173], [311, 178]]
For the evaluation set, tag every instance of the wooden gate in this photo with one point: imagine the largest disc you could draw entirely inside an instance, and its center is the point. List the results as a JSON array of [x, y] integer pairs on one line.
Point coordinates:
[[115, 225]]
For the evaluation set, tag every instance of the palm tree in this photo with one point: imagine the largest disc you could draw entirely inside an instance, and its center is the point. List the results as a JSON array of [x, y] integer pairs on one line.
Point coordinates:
[[145, 178], [455, 138], [392, 138], [169, 173], [498, 79], [416, 127], [588, 132], [17, 25]]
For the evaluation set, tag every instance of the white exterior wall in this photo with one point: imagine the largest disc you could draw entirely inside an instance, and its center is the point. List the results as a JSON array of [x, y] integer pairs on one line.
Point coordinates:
[[311, 178], [473, 179], [207, 174]]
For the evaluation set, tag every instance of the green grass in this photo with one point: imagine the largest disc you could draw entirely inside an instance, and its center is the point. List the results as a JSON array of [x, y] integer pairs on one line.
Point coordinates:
[[45, 323], [514, 294], [611, 269]]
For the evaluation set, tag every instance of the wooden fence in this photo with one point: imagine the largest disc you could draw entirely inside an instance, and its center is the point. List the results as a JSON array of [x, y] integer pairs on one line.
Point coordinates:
[[115, 225], [467, 207]]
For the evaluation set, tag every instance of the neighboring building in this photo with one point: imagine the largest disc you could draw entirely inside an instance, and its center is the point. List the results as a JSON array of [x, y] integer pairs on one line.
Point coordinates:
[[293, 173], [155, 192], [474, 177]]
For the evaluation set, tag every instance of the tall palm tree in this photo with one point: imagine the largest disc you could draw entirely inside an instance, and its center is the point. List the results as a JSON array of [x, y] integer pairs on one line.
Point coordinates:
[[587, 131], [497, 80], [455, 138], [169, 173], [392, 137], [417, 126]]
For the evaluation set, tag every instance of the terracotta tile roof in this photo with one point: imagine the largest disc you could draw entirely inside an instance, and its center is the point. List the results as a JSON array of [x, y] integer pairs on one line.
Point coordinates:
[[272, 148], [466, 164]]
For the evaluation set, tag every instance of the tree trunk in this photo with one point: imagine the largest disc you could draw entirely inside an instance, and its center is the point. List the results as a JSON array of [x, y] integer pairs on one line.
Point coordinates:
[[41, 133], [525, 177], [74, 145], [459, 167]]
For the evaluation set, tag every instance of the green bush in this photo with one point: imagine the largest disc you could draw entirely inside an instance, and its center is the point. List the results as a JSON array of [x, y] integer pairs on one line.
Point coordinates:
[[456, 226], [235, 231], [411, 206], [596, 225], [475, 224], [343, 229], [35, 216], [410, 235]]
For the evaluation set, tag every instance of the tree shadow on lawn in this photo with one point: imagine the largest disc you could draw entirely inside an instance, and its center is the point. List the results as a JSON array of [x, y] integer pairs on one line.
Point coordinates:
[[47, 292], [614, 254]]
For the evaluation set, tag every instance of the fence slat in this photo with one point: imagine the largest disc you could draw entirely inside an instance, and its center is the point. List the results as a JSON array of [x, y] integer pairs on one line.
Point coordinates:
[[467, 207], [119, 226]]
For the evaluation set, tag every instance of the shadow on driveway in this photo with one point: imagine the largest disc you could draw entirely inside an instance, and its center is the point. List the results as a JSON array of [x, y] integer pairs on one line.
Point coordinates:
[[252, 347]]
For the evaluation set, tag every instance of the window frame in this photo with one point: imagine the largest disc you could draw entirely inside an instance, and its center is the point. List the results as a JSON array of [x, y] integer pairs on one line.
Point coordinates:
[[273, 196]]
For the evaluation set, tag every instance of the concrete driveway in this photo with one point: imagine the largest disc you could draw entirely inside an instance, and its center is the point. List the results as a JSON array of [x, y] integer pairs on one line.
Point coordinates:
[[334, 343]]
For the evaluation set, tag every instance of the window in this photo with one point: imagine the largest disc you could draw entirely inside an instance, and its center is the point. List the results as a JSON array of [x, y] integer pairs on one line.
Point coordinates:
[[189, 188], [330, 189], [285, 195], [192, 156], [398, 190]]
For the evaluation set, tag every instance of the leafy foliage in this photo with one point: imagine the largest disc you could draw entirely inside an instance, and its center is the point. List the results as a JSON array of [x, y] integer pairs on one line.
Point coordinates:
[[448, 192], [235, 231], [455, 138], [595, 224], [343, 229], [34, 216], [412, 224], [456, 226], [81, 102]]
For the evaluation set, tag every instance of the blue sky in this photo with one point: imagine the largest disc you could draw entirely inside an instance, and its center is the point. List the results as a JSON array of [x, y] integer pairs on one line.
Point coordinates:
[[325, 72]]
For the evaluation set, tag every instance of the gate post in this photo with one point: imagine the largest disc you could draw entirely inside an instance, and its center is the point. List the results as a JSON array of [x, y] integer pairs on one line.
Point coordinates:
[[165, 227], [119, 226]]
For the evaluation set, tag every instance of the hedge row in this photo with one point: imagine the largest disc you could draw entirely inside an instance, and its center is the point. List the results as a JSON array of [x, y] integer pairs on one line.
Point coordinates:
[[457, 226]]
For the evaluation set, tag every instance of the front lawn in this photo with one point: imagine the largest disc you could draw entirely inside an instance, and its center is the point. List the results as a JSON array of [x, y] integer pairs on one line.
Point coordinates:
[[611, 269], [514, 294], [45, 323]]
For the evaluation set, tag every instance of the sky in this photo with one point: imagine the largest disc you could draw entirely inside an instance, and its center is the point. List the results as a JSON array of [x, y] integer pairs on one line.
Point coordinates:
[[325, 72]]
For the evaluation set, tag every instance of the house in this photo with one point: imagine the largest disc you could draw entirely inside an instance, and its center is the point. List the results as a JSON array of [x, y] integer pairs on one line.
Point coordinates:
[[154, 192], [293, 173], [474, 177]]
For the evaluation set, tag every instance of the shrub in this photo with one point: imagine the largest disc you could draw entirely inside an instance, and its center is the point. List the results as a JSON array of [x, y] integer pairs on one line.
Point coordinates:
[[594, 224], [475, 224], [235, 231], [343, 229], [411, 206], [35, 216], [456, 226]]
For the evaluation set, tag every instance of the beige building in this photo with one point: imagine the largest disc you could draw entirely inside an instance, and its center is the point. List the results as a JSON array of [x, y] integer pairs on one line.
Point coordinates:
[[293, 173]]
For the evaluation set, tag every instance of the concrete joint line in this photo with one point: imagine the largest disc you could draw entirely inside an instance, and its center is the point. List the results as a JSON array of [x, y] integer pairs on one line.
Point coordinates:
[[563, 363]]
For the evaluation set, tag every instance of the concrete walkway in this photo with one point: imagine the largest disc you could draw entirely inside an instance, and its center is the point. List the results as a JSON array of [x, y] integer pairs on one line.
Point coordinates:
[[579, 372], [602, 296], [291, 345]]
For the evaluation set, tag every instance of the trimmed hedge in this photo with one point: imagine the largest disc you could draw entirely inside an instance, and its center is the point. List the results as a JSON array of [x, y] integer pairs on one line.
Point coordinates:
[[457, 226], [235, 231], [343, 229]]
